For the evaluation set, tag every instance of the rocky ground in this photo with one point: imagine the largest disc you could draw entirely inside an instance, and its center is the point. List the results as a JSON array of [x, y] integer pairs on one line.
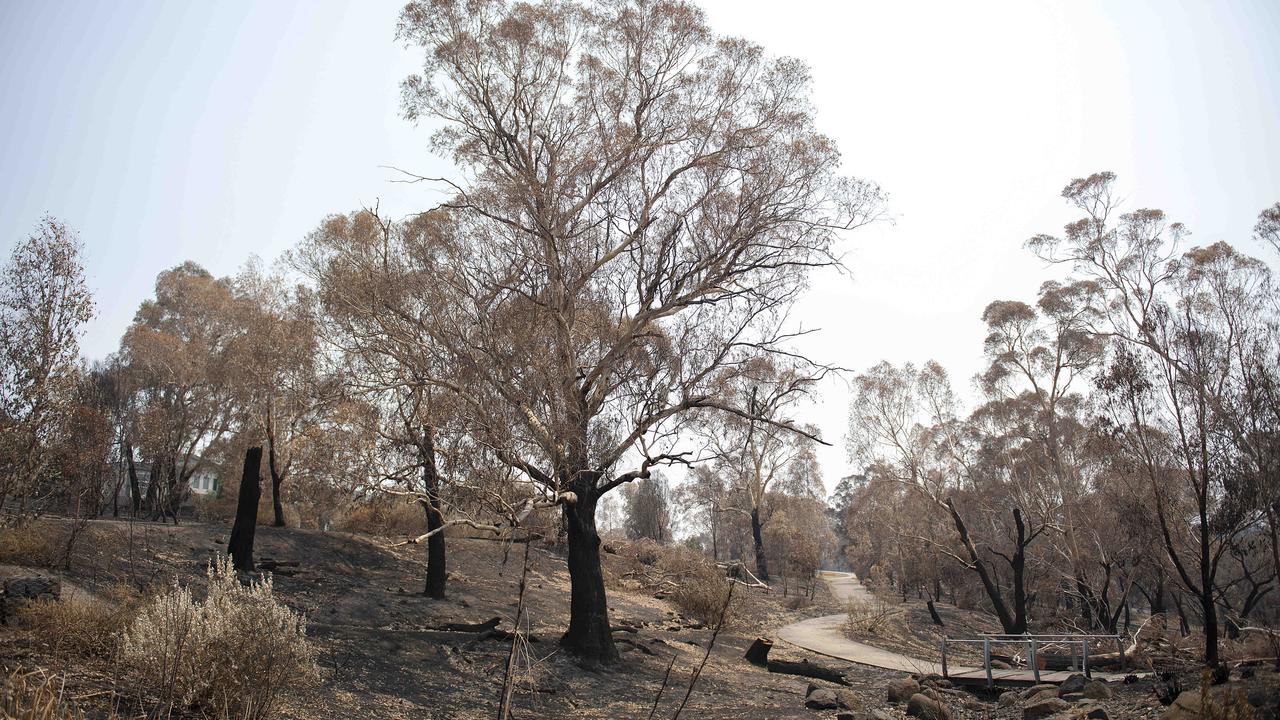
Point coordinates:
[[384, 652]]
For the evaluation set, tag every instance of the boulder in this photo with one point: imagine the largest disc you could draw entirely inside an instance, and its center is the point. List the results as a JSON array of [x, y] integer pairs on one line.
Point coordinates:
[[1185, 707], [902, 690], [926, 708], [1041, 696], [847, 700], [937, 681], [16, 592], [1072, 697], [1073, 684], [821, 699], [1097, 690], [1037, 689], [1044, 707], [1010, 698], [1097, 713]]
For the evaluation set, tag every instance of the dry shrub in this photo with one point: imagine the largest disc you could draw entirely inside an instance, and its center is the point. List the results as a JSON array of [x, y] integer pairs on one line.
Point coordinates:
[[80, 626], [384, 516], [696, 585], [232, 654], [701, 595], [1223, 703], [867, 618]]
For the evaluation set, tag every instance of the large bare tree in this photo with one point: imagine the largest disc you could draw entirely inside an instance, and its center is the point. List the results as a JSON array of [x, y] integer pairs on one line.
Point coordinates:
[[638, 203]]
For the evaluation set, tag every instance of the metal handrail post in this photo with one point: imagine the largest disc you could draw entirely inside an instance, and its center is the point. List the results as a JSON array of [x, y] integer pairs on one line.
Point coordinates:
[[1084, 654], [1035, 666], [944, 657], [1120, 647], [986, 660]]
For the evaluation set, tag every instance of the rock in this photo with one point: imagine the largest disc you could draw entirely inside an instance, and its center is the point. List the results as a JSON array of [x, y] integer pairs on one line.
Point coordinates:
[[847, 700], [1000, 665], [1041, 696], [1185, 707], [18, 591], [1072, 697], [926, 708], [1097, 713], [846, 716], [902, 690], [1097, 690], [937, 681], [1037, 689], [821, 699], [1044, 708], [1073, 684], [1010, 698]]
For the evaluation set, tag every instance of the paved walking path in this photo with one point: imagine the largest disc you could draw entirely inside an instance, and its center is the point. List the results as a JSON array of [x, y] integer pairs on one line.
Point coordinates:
[[825, 636]]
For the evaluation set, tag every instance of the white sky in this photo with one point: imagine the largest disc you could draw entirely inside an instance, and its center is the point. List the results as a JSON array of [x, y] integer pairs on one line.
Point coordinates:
[[167, 131]]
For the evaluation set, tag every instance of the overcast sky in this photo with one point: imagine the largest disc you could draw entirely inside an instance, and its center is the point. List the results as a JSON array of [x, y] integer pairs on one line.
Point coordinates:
[[172, 131]]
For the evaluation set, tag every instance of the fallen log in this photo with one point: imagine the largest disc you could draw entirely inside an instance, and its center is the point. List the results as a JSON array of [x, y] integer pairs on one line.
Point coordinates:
[[758, 654], [485, 626], [805, 668]]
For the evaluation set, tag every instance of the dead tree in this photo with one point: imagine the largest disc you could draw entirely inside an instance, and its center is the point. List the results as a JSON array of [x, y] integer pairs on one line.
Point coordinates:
[[241, 545]]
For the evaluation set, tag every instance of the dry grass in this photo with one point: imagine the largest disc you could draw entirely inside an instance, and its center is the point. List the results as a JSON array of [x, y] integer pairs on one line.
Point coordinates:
[[31, 544], [39, 696], [78, 625]]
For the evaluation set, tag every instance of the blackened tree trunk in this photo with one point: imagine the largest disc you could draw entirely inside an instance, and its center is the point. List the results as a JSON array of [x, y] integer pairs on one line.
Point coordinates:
[[241, 545], [436, 571], [588, 635], [762, 566], [1014, 623]]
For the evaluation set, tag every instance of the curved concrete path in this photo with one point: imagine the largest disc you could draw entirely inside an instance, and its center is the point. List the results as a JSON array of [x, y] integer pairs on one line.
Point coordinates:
[[825, 636]]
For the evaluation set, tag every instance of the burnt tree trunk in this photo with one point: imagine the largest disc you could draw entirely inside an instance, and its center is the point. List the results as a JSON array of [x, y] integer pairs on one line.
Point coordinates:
[[241, 545], [933, 613], [762, 566], [588, 636], [436, 571], [1012, 623]]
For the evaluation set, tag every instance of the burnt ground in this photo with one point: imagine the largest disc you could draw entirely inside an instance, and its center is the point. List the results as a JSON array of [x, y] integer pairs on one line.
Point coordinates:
[[382, 654]]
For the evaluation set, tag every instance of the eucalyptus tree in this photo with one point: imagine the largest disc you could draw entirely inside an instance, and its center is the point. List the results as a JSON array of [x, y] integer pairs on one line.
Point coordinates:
[[280, 385], [638, 202], [185, 352], [44, 304], [1187, 331], [764, 450]]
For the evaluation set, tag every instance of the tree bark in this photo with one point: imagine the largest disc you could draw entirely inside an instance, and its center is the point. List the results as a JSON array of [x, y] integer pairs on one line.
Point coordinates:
[[762, 566], [588, 636], [277, 477], [436, 570], [241, 545]]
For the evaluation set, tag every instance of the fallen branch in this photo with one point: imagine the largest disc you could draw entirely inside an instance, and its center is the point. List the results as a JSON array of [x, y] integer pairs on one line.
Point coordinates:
[[485, 626]]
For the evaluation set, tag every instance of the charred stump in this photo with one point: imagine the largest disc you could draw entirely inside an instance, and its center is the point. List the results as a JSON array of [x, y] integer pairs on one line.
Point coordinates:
[[241, 545]]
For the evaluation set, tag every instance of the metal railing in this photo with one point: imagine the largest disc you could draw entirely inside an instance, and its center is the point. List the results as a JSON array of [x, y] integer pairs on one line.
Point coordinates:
[[1034, 643]]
